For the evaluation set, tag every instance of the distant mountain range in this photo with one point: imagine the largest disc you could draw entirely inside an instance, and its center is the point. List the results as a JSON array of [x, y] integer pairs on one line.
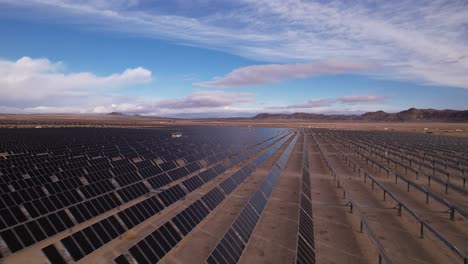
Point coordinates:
[[410, 115]]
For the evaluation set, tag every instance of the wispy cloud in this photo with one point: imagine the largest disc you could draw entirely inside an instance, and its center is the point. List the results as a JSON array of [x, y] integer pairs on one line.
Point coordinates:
[[198, 102], [203, 99], [424, 41], [313, 103], [30, 79], [361, 98], [212, 103], [272, 73], [327, 103]]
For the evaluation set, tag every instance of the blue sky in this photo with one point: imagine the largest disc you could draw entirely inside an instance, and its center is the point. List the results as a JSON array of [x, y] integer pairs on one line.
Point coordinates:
[[232, 58]]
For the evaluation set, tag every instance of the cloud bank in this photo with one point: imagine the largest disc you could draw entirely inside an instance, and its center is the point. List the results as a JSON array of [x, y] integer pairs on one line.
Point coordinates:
[[30, 79], [423, 41]]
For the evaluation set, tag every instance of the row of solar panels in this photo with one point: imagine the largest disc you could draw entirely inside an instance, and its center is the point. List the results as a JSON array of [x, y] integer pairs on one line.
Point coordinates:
[[79, 209], [61, 171], [231, 246], [140, 212], [437, 161], [155, 246], [451, 149], [170, 153], [18, 235], [305, 253], [37, 205]]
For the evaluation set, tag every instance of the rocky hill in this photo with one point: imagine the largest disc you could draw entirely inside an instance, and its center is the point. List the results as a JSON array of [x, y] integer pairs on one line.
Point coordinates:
[[410, 115]]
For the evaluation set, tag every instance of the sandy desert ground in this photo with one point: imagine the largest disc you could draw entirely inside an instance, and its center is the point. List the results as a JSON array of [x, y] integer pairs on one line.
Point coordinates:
[[69, 120]]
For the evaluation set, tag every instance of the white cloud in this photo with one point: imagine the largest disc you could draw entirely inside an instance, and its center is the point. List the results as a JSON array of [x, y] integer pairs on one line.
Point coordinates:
[[272, 73], [30, 79]]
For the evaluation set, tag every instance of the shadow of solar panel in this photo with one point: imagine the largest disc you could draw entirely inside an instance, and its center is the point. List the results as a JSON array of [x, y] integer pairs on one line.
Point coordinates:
[[53, 255], [228, 185]]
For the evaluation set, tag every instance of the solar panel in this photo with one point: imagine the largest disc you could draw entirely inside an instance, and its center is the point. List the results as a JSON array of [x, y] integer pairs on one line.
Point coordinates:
[[73, 248], [53, 255], [208, 175], [213, 198], [231, 246], [192, 183], [228, 185], [305, 239], [11, 240], [171, 195], [83, 173]]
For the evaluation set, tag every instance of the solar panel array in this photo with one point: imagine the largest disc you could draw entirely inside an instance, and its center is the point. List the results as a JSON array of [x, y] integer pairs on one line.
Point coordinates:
[[305, 237], [147, 251], [231, 246], [54, 179]]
